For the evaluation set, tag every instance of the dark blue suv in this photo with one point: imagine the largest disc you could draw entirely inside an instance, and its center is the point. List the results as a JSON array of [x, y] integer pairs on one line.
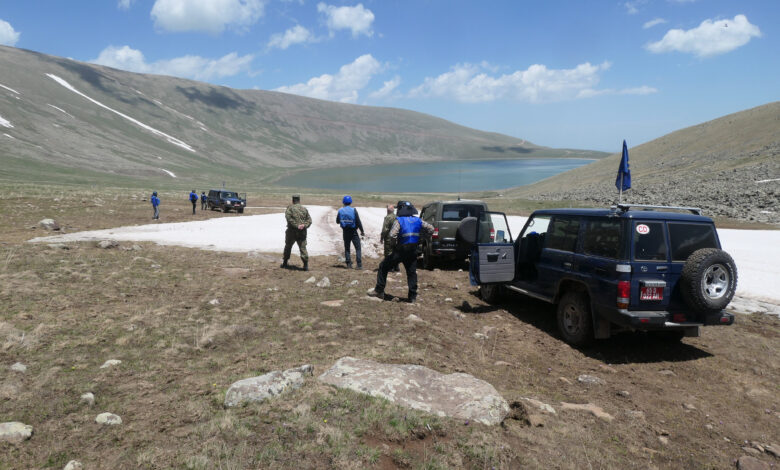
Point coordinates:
[[626, 268]]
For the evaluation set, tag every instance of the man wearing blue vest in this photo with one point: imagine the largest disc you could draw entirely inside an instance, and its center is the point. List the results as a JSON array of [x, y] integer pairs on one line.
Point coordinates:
[[405, 235], [349, 220]]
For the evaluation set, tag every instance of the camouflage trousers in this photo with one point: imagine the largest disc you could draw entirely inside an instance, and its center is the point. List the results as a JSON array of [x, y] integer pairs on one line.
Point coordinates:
[[295, 236]]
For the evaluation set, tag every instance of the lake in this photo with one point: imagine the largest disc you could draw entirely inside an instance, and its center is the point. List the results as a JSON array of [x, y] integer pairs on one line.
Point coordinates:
[[434, 177]]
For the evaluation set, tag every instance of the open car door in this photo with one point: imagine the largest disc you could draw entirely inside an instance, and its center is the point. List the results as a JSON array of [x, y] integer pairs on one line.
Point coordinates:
[[492, 257]]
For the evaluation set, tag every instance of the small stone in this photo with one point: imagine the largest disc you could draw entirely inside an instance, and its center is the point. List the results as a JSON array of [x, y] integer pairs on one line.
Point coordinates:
[[15, 432], [666, 372], [333, 303], [324, 283], [311, 280], [590, 380], [107, 244], [109, 419], [88, 398], [19, 367], [623, 393], [110, 362], [747, 462], [73, 465], [214, 302]]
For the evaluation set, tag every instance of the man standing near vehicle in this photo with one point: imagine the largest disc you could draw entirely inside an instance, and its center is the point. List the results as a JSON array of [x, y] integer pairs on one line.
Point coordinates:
[[298, 220], [384, 237], [203, 200], [193, 200], [350, 223], [405, 233], [156, 205]]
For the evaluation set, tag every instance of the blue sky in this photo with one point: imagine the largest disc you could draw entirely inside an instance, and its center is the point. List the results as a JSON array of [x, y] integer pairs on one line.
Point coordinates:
[[576, 74]]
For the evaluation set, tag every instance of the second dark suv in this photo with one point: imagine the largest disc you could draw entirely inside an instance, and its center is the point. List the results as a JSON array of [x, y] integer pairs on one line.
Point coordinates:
[[219, 199], [630, 267], [445, 216]]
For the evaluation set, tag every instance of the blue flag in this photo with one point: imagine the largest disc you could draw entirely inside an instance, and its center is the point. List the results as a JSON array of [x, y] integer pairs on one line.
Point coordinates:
[[623, 180]]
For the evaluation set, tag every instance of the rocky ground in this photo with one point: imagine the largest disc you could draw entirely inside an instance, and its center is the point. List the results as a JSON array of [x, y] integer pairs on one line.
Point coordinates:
[[122, 356]]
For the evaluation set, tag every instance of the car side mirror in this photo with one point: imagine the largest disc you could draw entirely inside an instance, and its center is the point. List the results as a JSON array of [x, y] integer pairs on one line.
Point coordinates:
[[467, 230]]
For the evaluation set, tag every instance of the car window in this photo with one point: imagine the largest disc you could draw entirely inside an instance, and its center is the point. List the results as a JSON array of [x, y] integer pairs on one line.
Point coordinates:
[[455, 212], [649, 241], [562, 234], [687, 238], [603, 237]]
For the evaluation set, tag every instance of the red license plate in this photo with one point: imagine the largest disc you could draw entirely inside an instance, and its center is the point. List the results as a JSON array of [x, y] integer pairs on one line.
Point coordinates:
[[651, 293]]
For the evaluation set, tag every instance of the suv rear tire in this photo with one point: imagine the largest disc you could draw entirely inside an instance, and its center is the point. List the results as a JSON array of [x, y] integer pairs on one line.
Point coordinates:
[[708, 280], [574, 319]]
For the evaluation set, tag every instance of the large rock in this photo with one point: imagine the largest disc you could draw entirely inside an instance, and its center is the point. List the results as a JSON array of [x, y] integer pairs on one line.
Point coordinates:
[[455, 395], [15, 432], [49, 224], [267, 386]]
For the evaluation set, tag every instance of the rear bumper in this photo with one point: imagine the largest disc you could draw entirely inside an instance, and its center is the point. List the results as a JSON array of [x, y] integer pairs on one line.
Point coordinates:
[[662, 320]]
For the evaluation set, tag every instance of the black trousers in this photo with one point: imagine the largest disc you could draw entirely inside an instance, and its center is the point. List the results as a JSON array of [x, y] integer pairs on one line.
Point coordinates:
[[351, 237], [406, 254]]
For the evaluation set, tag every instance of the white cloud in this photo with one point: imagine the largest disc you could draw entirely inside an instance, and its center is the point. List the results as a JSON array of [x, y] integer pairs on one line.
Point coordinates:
[[209, 16], [124, 4], [387, 88], [709, 38], [8, 37], [344, 86], [357, 19], [654, 22], [189, 66], [295, 35]]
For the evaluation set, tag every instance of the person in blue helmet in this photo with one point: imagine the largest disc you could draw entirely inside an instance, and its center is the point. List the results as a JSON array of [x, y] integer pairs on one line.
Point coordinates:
[[156, 205], [194, 200], [404, 236], [350, 223]]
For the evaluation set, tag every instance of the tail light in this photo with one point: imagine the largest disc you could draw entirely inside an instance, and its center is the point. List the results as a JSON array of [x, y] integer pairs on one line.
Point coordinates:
[[623, 294], [435, 234], [492, 234]]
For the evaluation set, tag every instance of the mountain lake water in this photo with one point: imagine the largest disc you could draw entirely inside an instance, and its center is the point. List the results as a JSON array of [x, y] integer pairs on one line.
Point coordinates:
[[434, 177]]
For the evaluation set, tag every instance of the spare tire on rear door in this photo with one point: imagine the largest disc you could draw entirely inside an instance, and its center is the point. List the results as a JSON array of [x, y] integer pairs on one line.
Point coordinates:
[[709, 280]]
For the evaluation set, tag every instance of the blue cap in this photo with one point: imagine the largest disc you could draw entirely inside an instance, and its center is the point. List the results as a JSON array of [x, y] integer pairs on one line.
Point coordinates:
[[347, 199]]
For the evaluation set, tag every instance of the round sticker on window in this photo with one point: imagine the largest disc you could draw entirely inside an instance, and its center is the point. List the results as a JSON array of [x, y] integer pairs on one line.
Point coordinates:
[[642, 229]]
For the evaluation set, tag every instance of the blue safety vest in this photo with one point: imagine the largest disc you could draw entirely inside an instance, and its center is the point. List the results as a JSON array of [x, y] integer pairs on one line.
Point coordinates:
[[347, 217], [410, 230]]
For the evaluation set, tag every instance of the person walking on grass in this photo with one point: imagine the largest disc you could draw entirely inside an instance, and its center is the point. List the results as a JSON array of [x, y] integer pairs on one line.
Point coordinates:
[[384, 236], [298, 220], [193, 200], [155, 205], [405, 234], [350, 223], [203, 199]]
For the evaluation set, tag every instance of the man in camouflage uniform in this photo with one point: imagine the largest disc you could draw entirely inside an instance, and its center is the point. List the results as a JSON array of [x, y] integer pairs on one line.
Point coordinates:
[[298, 220], [385, 236]]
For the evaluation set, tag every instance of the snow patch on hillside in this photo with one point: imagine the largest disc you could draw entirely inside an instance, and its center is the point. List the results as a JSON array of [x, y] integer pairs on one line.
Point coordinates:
[[9, 89], [151, 129], [59, 109], [5, 122]]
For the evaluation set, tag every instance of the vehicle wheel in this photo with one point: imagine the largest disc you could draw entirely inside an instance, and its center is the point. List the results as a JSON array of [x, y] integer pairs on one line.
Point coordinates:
[[240, 211], [427, 258], [491, 293], [574, 319], [708, 280]]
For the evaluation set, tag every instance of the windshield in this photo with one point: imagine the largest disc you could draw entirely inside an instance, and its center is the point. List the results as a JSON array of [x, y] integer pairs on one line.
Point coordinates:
[[228, 195]]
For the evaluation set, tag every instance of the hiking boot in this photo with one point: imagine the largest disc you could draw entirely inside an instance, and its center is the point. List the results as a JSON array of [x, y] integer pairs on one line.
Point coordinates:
[[306, 265], [284, 264]]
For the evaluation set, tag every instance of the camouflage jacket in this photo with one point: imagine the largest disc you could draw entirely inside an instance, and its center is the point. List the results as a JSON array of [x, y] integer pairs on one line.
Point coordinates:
[[296, 215], [386, 226]]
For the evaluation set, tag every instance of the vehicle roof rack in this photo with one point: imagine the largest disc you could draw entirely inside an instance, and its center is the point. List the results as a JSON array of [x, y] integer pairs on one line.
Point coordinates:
[[645, 207]]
